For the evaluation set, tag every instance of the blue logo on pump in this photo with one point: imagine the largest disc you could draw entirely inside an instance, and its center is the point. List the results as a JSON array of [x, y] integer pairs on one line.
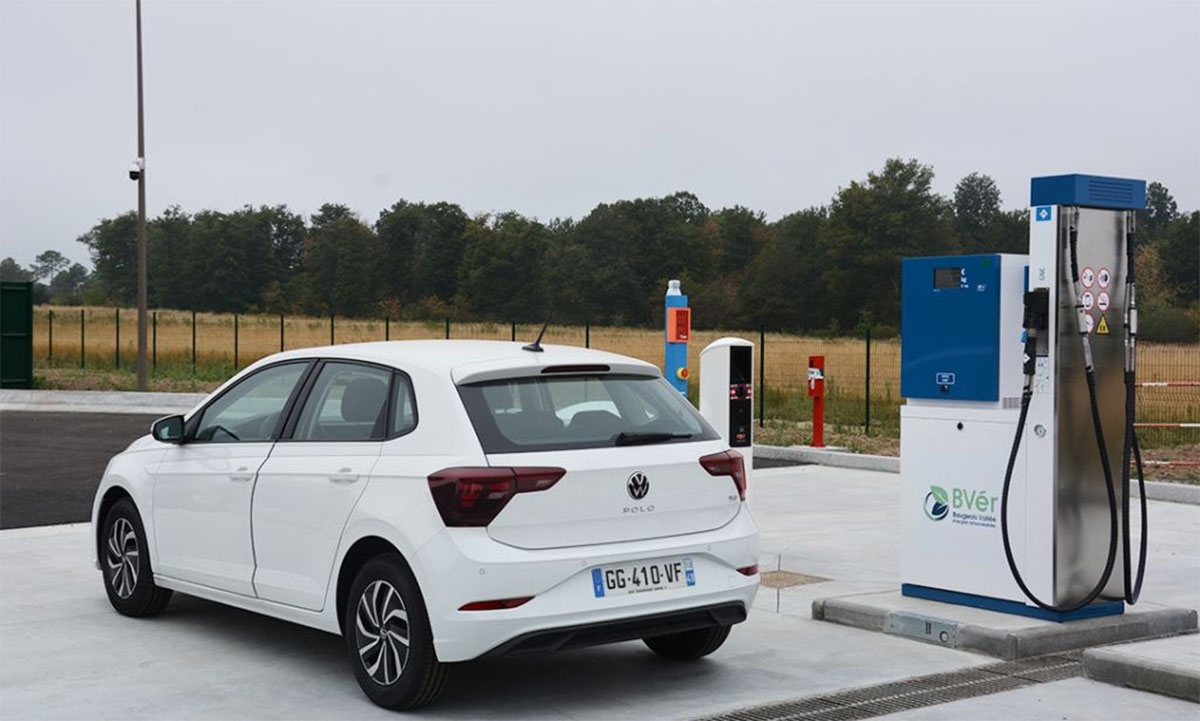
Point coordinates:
[[1041, 213], [944, 379]]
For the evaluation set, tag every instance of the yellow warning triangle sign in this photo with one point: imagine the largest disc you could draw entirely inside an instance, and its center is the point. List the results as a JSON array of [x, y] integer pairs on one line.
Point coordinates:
[[1102, 327]]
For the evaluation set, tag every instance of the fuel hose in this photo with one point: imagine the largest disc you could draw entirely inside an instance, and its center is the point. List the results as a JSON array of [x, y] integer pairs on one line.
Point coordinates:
[[1132, 590]]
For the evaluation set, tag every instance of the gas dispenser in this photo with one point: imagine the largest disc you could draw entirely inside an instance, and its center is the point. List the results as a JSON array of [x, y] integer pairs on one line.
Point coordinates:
[[727, 392], [1016, 440]]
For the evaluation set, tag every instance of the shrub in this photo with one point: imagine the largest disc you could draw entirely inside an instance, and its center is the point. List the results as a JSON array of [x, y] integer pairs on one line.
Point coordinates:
[[1168, 325]]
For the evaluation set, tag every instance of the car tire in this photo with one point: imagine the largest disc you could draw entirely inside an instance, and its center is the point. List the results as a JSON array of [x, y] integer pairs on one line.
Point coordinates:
[[689, 645], [125, 563], [384, 612]]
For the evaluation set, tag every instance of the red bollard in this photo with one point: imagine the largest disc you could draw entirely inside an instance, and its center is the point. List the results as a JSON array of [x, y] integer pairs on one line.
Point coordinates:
[[816, 390]]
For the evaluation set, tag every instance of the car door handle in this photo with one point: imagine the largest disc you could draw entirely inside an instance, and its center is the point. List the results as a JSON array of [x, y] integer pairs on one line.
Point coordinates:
[[343, 476], [242, 475]]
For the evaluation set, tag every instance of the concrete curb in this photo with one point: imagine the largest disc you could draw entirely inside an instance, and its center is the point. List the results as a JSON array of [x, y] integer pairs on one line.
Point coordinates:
[[874, 612], [98, 401], [1171, 492], [825, 457], [1155, 490], [1116, 666]]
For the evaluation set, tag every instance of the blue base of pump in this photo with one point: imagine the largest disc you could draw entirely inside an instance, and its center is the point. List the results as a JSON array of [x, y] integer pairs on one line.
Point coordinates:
[[1092, 610]]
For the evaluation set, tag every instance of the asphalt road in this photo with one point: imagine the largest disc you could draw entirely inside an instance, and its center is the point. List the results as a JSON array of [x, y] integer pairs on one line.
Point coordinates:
[[51, 463]]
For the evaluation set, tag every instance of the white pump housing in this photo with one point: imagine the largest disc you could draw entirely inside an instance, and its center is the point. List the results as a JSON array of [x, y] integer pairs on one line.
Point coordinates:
[[727, 392]]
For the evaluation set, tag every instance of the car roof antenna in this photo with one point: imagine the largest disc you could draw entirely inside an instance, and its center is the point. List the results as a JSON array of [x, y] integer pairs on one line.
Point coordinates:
[[536, 346]]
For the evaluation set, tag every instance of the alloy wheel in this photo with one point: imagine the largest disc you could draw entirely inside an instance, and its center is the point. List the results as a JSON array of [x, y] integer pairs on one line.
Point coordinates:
[[122, 558], [381, 632]]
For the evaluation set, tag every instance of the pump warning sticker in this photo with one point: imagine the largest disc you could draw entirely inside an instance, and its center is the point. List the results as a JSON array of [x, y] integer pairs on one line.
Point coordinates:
[[1090, 322], [1102, 327], [1087, 277], [1088, 300], [1104, 277], [1102, 301]]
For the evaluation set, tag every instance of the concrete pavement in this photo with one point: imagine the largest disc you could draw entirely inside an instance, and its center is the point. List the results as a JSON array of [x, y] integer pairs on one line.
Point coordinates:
[[1169, 666], [1075, 699], [64, 653]]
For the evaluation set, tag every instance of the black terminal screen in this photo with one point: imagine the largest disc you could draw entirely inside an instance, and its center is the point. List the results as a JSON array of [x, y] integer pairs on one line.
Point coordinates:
[[947, 277]]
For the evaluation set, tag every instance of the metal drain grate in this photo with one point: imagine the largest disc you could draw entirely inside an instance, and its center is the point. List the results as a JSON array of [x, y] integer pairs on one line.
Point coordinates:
[[939, 688], [787, 579]]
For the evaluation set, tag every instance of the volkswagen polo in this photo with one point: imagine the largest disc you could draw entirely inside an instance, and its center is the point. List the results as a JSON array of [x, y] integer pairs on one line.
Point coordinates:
[[438, 501]]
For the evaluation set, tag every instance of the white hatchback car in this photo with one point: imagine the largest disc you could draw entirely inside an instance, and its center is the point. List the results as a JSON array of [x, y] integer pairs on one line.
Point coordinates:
[[439, 501]]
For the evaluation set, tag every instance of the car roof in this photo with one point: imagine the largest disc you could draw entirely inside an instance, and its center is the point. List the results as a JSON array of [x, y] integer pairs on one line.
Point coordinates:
[[470, 360]]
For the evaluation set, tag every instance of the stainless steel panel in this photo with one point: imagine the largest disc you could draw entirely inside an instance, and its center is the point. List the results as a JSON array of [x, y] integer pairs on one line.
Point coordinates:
[[924, 628], [1082, 509]]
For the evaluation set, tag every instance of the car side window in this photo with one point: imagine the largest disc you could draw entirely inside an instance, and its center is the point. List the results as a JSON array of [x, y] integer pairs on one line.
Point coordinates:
[[404, 406], [249, 411], [348, 402]]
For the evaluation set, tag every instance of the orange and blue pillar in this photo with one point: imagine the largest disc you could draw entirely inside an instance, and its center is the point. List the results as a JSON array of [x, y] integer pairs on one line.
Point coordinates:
[[678, 323]]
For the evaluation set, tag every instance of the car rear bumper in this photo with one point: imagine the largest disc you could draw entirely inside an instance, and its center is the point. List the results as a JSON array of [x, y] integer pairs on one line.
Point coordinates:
[[464, 565], [627, 629]]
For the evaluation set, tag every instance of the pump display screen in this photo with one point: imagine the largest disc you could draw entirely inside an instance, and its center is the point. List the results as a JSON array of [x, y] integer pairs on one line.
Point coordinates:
[[947, 277]]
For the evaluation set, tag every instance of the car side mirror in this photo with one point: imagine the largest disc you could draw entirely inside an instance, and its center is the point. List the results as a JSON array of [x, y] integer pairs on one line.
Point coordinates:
[[168, 430]]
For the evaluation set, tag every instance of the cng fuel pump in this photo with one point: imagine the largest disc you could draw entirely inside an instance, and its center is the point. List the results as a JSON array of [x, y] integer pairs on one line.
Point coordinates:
[[1018, 432]]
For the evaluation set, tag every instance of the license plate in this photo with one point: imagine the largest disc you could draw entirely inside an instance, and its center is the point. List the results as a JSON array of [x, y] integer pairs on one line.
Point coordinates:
[[624, 579]]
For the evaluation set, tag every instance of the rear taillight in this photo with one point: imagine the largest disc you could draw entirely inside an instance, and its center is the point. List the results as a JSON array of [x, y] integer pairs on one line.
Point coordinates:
[[727, 463], [749, 570], [474, 496]]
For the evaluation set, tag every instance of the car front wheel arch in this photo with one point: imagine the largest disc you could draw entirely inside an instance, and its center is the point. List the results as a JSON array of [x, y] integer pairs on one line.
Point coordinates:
[[111, 496]]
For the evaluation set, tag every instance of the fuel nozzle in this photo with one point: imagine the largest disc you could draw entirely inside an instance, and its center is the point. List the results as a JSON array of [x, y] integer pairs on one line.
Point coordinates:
[[1037, 320], [1037, 310]]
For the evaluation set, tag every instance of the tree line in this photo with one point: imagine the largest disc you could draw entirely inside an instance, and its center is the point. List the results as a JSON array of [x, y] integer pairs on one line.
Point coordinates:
[[830, 268]]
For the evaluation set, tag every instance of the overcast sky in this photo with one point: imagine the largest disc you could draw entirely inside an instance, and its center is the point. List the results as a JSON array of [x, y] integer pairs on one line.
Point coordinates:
[[550, 108]]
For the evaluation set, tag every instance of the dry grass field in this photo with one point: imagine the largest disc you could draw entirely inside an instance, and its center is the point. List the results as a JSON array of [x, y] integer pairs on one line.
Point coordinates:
[[786, 358]]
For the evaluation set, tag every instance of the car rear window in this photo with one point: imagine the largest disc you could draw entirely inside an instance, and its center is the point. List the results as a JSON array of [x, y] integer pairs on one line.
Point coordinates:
[[547, 413]]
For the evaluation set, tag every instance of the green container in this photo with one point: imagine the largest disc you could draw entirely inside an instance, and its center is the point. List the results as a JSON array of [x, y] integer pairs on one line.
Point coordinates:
[[16, 334]]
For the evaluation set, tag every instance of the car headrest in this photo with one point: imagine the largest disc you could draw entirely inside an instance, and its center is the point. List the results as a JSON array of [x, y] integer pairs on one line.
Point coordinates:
[[362, 401], [594, 423]]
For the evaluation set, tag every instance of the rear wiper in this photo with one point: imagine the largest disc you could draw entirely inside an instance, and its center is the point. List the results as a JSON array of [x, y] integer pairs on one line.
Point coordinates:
[[633, 439]]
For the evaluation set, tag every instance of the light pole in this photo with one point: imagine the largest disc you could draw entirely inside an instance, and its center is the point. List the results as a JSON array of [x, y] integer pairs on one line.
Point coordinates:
[[141, 223]]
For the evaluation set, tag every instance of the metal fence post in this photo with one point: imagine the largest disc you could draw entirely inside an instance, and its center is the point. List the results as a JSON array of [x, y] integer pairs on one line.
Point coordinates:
[[154, 340], [281, 332], [587, 334], [867, 404], [514, 332], [235, 341], [331, 329], [117, 349], [762, 375], [193, 342], [50, 323], [387, 328], [82, 345], [447, 329]]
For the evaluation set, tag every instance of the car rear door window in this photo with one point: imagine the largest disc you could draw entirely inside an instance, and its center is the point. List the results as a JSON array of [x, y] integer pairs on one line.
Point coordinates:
[[348, 402], [404, 405]]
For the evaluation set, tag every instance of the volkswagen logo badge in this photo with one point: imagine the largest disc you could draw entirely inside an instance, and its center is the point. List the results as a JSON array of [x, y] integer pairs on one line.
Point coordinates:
[[638, 485]]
